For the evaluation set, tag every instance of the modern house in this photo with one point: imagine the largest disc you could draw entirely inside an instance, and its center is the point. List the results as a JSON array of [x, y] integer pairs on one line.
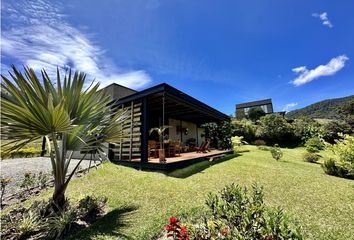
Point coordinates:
[[242, 109], [154, 107]]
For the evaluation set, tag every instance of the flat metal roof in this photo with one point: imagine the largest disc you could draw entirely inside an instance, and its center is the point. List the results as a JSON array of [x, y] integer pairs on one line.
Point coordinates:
[[254, 103], [179, 95]]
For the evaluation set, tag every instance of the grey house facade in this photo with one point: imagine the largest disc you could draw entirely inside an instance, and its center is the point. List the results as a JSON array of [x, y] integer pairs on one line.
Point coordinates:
[[242, 109]]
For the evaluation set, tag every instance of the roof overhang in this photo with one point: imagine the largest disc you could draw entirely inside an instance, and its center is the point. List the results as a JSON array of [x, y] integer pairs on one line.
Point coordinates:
[[177, 104]]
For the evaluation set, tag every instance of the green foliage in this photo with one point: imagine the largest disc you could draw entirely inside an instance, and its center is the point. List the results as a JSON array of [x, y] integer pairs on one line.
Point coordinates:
[[260, 142], [306, 128], [28, 181], [323, 109], [79, 116], [19, 153], [43, 221], [347, 112], [237, 213], [219, 134], [311, 157], [333, 129], [274, 128], [338, 168], [314, 145], [255, 113], [276, 152], [28, 224], [237, 143], [343, 164], [91, 207], [245, 128], [344, 148], [212, 133], [59, 224]]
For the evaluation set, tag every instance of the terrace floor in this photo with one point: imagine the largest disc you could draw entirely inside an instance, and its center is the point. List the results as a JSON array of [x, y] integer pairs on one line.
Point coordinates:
[[179, 161]]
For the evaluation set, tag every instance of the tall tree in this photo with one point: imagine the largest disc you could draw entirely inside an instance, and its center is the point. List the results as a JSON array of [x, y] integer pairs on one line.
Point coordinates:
[[347, 113], [69, 115]]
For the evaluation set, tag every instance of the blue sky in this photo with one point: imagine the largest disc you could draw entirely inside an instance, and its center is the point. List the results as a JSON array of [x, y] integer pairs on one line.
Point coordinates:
[[220, 52]]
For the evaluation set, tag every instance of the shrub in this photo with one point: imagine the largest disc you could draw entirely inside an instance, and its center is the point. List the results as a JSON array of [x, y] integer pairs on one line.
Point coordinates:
[[329, 166], [236, 213], [333, 129], [343, 164], [43, 220], [60, 223], [314, 145], [245, 128], [174, 230], [28, 181], [311, 157], [306, 128], [24, 152], [259, 142], [237, 143], [275, 129], [276, 152], [344, 148], [91, 207], [29, 224], [255, 113], [339, 169], [219, 134]]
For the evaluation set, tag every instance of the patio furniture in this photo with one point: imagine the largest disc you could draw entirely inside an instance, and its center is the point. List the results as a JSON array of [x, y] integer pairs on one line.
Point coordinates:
[[198, 149], [204, 147], [171, 148], [178, 147], [152, 148]]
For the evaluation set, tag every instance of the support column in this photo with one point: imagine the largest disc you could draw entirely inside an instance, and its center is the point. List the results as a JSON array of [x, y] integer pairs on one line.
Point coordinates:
[[144, 130]]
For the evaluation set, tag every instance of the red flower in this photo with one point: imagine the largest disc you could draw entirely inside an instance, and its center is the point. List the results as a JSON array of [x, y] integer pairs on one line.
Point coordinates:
[[184, 230], [173, 220], [168, 228]]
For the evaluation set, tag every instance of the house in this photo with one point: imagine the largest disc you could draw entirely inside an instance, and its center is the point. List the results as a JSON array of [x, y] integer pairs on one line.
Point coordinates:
[[242, 109], [157, 106]]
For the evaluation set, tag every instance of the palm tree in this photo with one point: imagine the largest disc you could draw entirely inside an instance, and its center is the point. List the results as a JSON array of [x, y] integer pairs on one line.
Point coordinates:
[[69, 115]]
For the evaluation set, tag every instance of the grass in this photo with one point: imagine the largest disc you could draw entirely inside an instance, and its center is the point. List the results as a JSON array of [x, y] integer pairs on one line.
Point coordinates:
[[140, 202]]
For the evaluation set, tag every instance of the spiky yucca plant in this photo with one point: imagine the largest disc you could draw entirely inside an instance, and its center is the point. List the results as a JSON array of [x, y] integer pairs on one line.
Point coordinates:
[[65, 112]]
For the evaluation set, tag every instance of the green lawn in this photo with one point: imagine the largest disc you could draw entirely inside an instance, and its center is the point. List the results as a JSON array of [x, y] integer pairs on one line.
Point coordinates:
[[140, 201]]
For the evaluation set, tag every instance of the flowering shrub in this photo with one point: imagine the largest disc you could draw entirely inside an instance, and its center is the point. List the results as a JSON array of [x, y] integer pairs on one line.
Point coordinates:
[[236, 213], [175, 231]]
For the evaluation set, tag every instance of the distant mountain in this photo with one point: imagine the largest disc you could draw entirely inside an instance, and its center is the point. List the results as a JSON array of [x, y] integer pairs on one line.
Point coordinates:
[[323, 109]]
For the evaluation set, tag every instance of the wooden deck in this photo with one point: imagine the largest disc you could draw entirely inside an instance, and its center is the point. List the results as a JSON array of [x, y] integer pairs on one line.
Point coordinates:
[[185, 159]]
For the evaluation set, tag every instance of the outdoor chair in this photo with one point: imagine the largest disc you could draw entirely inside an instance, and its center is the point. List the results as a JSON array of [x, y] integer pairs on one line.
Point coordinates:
[[199, 149], [178, 147], [204, 148], [152, 148]]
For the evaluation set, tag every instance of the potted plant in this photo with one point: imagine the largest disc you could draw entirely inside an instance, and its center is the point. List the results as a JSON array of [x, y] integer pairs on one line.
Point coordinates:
[[160, 131]]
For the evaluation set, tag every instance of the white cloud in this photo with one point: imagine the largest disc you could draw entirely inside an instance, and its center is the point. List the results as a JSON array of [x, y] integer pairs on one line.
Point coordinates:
[[324, 19], [37, 35], [306, 75], [289, 106]]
